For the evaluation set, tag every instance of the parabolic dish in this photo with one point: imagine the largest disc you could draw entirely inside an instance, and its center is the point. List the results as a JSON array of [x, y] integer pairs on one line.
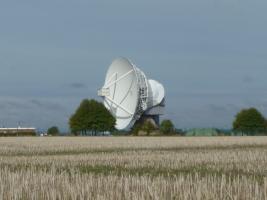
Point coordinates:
[[158, 92], [121, 92]]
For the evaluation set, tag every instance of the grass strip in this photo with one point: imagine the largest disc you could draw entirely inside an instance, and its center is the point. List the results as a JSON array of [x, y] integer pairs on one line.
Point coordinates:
[[122, 150]]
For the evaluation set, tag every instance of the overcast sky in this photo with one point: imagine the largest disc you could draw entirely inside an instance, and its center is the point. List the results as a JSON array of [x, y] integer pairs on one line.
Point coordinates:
[[211, 56]]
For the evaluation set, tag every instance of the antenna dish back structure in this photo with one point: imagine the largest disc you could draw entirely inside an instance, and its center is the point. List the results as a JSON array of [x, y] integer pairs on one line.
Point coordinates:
[[129, 95]]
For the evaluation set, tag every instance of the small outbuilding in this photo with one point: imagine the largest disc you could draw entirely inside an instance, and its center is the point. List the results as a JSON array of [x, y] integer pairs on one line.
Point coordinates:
[[19, 131]]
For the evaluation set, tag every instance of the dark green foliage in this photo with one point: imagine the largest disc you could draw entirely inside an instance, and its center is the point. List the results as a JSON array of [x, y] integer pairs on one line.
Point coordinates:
[[91, 117], [136, 128], [53, 131], [120, 133], [179, 132], [250, 122], [167, 127], [148, 127]]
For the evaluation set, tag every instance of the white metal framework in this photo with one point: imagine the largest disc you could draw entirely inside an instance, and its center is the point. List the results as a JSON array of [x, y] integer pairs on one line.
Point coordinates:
[[143, 92]]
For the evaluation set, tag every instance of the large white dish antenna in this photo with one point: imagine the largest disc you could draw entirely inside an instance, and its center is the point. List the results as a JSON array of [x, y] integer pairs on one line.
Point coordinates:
[[128, 94]]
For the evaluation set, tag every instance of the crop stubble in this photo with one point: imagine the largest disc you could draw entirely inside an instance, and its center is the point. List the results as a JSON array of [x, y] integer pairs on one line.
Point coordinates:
[[133, 168]]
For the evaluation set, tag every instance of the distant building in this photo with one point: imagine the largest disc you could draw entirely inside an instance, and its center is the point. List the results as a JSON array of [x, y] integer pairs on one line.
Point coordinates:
[[19, 131]]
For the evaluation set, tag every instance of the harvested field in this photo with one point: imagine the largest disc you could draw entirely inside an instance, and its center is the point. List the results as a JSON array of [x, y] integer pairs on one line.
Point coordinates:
[[133, 168]]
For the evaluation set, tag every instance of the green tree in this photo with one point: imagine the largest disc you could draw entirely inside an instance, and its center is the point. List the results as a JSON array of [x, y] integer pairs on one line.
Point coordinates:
[[249, 121], [91, 117], [265, 127], [166, 127], [53, 130], [148, 127], [136, 128]]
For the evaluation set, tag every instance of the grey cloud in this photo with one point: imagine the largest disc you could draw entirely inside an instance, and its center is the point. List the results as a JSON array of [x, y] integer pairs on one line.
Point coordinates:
[[264, 104], [218, 108], [9, 104], [248, 79], [225, 108], [47, 105], [78, 85], [37, 112]]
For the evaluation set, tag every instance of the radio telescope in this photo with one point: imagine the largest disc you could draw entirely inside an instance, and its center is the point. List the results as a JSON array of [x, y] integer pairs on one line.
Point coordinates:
[[130, 96]]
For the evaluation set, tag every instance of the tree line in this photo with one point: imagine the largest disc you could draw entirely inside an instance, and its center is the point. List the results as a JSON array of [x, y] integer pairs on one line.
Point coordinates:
[[92, 118]]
